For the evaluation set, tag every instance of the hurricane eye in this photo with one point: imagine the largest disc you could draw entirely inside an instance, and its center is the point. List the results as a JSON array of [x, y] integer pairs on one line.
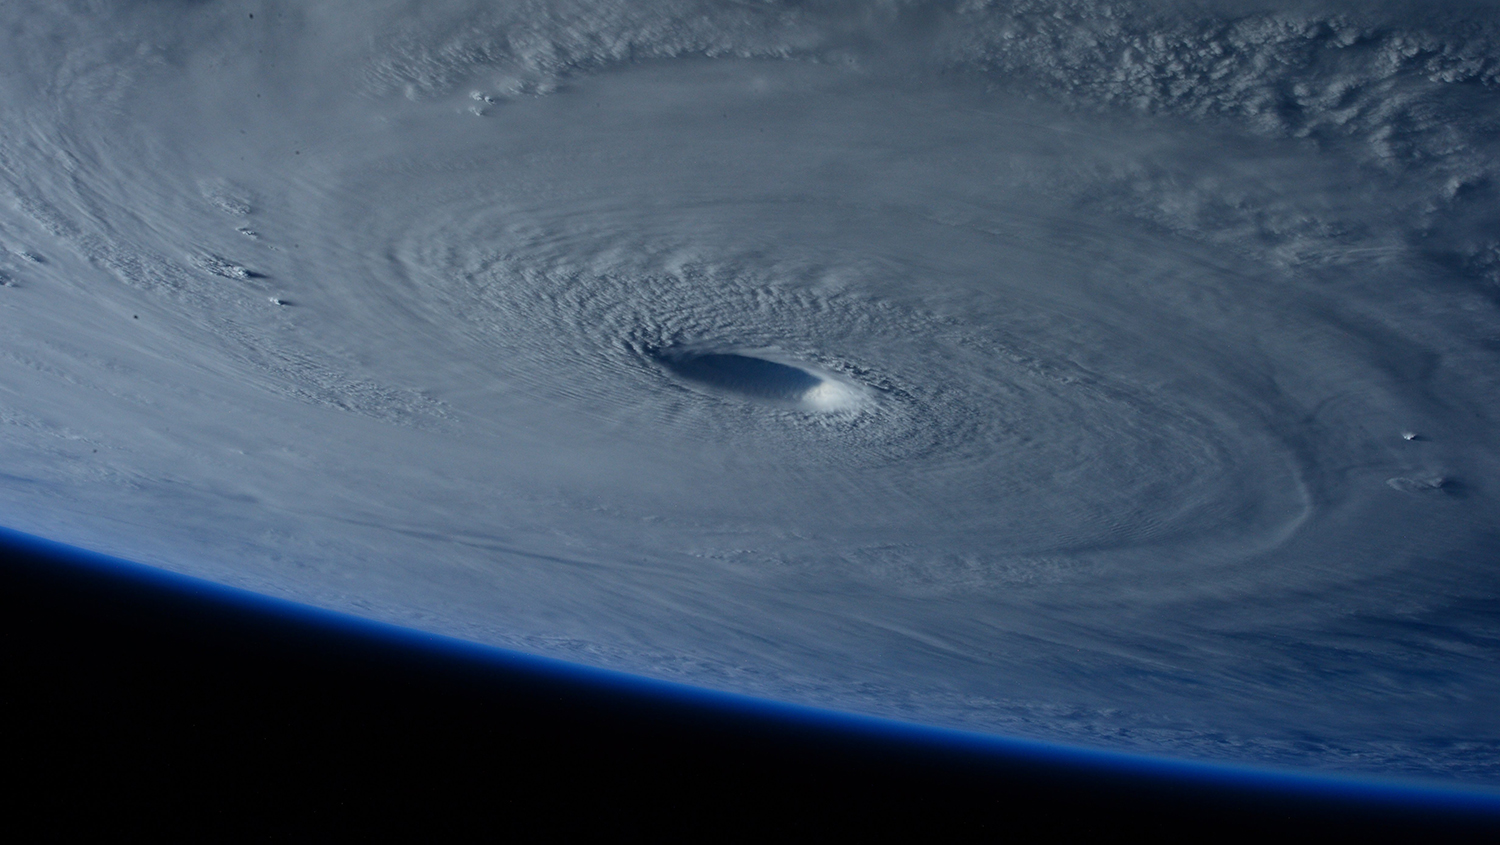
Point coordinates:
[[752, 376]]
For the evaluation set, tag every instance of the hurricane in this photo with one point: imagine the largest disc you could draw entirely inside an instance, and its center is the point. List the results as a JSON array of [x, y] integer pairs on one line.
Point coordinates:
[[1119, 374]]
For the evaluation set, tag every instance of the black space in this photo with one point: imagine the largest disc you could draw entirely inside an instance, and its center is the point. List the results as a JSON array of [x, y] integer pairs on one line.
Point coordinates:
[[138, 704]]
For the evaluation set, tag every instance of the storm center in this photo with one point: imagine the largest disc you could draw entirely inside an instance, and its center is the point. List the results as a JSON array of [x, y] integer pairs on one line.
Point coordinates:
[[753, 376]]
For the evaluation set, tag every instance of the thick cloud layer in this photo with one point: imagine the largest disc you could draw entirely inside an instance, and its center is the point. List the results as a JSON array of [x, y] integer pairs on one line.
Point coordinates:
[[1121, 374]]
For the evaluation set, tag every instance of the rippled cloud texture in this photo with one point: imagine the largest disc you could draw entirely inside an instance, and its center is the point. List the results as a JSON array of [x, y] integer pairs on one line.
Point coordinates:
[[1119, 373]]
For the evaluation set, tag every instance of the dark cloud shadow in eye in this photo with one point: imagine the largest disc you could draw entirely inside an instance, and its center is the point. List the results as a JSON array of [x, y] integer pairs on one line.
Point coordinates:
[[746, 375]]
